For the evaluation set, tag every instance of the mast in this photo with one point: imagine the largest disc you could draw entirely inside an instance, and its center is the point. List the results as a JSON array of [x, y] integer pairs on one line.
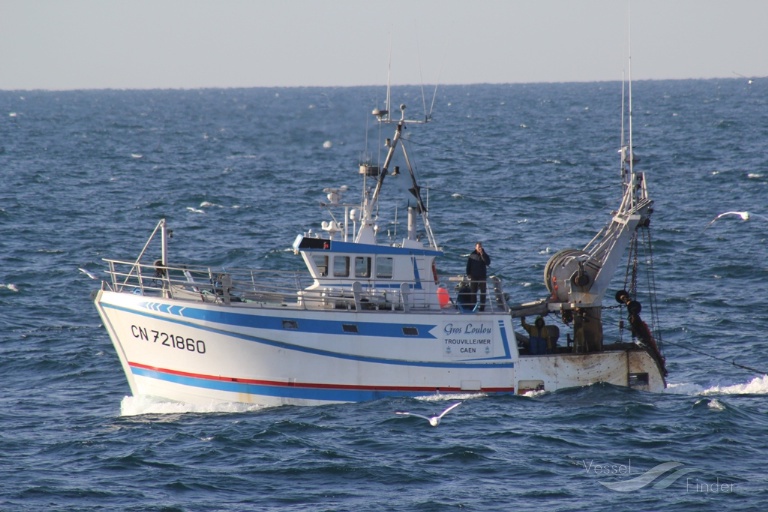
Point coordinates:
[[370, 204], [392, 144], [582, 277]]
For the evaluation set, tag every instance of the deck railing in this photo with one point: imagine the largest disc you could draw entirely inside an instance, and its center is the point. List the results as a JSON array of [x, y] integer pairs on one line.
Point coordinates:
[[267, 288]]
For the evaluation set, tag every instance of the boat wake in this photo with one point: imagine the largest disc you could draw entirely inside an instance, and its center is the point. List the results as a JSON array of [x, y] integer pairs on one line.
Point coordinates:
[[141, 405], [450, 396], [756, 386]]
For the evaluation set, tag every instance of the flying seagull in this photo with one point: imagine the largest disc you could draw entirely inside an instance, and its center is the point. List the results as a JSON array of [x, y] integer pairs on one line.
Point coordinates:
[[743, 215], [433, 420], [89, 274]]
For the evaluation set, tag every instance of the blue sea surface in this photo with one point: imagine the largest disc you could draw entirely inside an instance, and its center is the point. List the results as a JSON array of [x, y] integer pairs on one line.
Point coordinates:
[[529, 169]]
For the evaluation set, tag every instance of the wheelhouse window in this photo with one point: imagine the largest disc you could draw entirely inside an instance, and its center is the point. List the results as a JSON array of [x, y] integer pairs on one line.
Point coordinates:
[[362, 266], [321, 262], [341, 266], [384, 267]]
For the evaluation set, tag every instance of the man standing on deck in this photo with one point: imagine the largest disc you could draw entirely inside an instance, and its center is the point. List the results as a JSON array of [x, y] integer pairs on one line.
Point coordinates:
[[477, 272]]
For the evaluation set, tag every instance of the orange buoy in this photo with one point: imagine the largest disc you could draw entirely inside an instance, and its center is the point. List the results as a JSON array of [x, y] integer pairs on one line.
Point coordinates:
[[442, 297]]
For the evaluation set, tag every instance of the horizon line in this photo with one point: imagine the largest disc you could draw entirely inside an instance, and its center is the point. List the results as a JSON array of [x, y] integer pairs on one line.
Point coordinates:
[[349, 86]]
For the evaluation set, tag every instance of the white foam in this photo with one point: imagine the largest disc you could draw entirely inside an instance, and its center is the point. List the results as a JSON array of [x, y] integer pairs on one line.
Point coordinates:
[[716, 405], [140, 405], [757, 386], [208, 204], [12, 287], [438, 397], [683, 388]]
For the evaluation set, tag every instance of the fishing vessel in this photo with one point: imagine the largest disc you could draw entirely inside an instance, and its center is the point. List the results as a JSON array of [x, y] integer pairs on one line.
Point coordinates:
[[369, 317]]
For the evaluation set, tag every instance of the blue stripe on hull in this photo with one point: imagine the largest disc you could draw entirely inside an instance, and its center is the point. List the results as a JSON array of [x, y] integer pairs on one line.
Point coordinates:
[[287, 392], [327, 353], [386, 329]]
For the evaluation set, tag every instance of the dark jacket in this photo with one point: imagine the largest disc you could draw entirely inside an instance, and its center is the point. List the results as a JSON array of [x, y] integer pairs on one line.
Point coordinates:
[[476, 265]]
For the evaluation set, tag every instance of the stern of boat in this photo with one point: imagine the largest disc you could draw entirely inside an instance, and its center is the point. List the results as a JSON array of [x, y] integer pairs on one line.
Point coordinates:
[[632, 366]]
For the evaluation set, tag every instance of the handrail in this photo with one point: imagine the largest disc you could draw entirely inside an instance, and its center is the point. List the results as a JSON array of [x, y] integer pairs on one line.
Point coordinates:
[[160, 225], [269, 288]]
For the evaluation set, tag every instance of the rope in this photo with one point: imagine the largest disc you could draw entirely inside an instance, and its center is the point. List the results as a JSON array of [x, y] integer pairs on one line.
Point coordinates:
[[478, 197], [734, 363]]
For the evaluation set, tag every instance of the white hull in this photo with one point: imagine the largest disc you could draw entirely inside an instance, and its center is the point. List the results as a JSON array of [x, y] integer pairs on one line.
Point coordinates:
[[202, 353]]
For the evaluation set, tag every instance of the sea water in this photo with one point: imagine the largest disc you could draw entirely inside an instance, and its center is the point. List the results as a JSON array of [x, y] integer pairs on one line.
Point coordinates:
[[238, 173]]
